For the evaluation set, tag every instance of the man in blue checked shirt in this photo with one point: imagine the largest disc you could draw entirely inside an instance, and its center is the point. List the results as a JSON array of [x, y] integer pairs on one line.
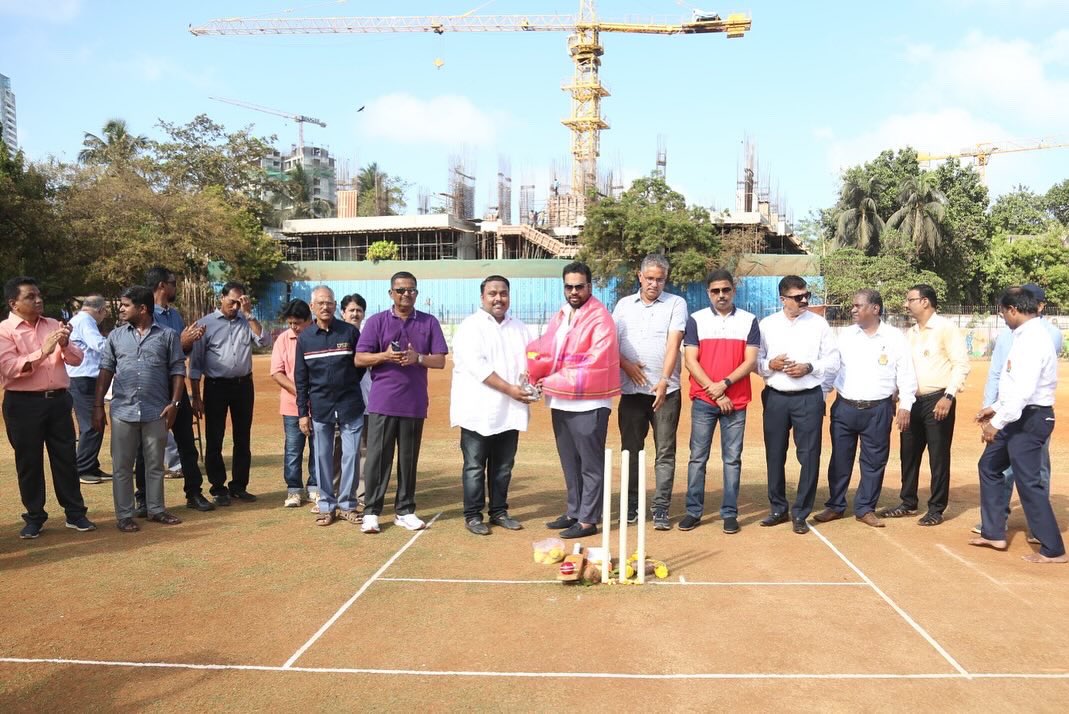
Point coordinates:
[[85, 333]]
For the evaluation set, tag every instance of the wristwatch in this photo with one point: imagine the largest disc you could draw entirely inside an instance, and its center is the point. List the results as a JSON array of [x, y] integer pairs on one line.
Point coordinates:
[[419, 359], [727, 381], [948, 395], [176, 405]]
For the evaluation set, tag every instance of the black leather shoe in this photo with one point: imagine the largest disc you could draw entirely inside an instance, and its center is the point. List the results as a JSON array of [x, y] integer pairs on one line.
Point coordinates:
[[562, 522], [140, 510], [199, 503], [243, 496], [221, 500], [577, 531], [800, 526], [774, 519]]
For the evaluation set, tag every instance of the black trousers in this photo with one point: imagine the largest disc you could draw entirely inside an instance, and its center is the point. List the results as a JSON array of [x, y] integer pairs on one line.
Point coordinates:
[[187, 454], [925, 432], [803, 413], [384, 434], [33, 425], [236, 397], [488, 462]]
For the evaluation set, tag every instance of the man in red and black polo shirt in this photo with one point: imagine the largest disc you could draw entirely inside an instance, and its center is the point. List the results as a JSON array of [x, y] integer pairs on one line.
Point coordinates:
[[720, 348]]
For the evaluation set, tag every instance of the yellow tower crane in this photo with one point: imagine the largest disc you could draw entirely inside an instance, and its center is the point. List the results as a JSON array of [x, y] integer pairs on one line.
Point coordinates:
[[983, 152], [584, 46]]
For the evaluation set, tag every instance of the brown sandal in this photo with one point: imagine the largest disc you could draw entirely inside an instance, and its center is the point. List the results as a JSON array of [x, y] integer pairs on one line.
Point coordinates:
[[127, 525], [324, 519]]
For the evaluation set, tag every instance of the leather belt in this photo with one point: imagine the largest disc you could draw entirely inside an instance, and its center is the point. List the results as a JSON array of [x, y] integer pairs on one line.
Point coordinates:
[[864, 403], [230, 380], [49, 394]]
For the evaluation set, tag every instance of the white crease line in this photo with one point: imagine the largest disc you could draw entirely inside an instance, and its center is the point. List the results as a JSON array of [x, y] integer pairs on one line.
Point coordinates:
[[724, 583], [978, 571], [367, 583], [902, 613], [535, 675]]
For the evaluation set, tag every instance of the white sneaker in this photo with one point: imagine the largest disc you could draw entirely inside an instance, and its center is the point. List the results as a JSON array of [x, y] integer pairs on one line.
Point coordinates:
[[409, 521], [370, 524], [313, 495], [293, 500]]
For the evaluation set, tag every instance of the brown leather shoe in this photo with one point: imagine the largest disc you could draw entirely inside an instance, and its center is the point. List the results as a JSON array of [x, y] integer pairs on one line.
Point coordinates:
[[870, 519], [826, 515]]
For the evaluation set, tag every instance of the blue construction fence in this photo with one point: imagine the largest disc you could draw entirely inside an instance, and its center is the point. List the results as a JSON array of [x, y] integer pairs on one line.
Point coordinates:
[[534, 300]]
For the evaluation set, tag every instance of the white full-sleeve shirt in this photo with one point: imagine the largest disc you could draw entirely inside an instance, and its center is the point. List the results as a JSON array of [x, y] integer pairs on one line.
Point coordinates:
[[876, 366], [1030, 375], [806, 339]]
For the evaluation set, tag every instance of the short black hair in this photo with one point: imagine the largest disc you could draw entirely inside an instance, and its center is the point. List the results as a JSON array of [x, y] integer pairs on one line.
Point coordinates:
[[493, 279], [1019, 299], [402, 275], [577, 267], [717, 275], [155, 275], [232, 285], [355, 297], [296, 308], [874, 298], [13, 287], [789, 282], [141, 296], [926, 291]]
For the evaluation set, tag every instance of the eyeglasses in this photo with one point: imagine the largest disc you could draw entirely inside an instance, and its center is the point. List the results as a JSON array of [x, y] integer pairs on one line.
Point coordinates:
[[720, 291], [800, 297], [405, 291], [574, 288]]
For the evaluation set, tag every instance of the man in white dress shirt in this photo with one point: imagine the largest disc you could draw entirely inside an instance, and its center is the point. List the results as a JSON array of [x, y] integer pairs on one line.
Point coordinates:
[[1015, 428], [489, 404], [85, 334], [875, 367], [797, 355]]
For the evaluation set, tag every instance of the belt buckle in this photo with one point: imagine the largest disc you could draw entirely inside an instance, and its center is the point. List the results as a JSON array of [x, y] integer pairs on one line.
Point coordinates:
[[49, 393]]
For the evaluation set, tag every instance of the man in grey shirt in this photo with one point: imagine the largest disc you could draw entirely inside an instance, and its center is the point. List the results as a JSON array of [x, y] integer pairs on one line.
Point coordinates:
[[148, 368], [650, 327], [223, 357]]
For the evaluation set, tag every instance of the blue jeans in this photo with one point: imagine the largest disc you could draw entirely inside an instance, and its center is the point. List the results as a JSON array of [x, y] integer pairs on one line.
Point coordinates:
[[323, 437], [703, 420], [291, 459]]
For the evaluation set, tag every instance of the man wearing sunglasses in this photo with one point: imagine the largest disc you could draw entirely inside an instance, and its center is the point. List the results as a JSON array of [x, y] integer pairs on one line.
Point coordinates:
[[941, 362], [798, 355], [720, 347], [577, 365], [399, 345]]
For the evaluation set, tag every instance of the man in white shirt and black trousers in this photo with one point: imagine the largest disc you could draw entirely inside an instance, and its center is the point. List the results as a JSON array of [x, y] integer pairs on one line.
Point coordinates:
[[875, 367], [1015, 428], [797, 355]]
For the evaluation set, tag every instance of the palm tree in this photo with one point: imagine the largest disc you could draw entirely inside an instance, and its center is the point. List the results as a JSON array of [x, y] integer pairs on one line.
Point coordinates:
[[295, 195], [118, 147], [379, 194], [923, 207], [858, 224]]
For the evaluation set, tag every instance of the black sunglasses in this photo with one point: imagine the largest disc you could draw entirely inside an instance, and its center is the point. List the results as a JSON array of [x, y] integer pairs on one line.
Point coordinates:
[[405, 291], [800, 297], [574, 288], [720, 291]]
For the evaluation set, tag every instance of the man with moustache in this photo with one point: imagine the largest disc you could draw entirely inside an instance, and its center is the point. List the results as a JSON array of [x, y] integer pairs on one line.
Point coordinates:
[[875, 368], [489, 403], [797, 355], [34, 352]]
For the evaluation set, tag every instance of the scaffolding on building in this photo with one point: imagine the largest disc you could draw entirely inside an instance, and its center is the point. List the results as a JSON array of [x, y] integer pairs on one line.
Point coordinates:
[[461, 189]]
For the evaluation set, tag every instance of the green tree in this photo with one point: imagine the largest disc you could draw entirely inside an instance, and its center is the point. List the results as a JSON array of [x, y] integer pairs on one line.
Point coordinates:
[[887, 172], [382, 250], [921, 213], [1019, 212], [1042, 259], [649, 218], [858, 224], [296, 195], [1056, 201], [379, 193], [848, 270], [116, 148], [967, 231]]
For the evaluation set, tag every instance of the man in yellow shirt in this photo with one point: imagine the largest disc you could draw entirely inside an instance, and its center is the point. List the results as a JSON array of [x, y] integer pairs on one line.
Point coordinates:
[[941, 362]]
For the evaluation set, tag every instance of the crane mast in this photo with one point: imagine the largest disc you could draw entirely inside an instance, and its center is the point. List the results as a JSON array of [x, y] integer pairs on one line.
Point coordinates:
[[584, 46]]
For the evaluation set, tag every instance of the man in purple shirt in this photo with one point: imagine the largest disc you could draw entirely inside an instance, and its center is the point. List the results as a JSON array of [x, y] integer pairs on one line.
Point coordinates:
[[398, 345]]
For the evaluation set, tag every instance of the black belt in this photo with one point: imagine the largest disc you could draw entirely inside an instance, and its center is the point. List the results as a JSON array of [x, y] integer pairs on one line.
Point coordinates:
[[795, 394], [863, 403], [1037, 406], [50, 394], [230, 380]]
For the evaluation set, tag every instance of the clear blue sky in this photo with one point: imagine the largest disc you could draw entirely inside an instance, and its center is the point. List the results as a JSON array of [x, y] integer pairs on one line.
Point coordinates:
[[817, 86]]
